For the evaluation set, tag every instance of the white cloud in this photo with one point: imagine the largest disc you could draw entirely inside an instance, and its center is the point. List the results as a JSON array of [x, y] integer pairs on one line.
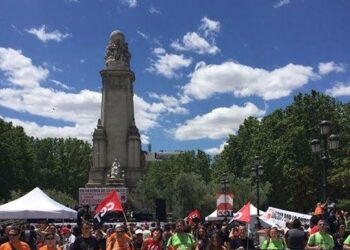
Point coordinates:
[[194, 42], [44, 36], [168, 64], [61, 84], [281, 3], [328, 67], [216, 151], [340, 89], [130, 3], [218, 123], [19, 69], [142, 34], [243, 81], [154, 10], [209, 27], [168, 104], [145, 139], [25, 94]]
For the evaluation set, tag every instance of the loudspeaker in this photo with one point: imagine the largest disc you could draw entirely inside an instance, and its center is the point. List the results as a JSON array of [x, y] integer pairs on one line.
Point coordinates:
[[161, 210]]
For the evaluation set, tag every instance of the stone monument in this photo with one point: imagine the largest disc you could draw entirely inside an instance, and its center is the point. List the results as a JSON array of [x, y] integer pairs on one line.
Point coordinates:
[[117, 158]]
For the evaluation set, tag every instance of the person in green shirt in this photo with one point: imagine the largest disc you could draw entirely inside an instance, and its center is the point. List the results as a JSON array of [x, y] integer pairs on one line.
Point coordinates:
[[274, 242], [346, 245], [321, 239], [180, 240]]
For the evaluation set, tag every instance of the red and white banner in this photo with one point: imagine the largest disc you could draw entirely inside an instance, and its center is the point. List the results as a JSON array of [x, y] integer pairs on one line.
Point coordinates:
[[109, 203], [243, 214], [194, 214], [94, 196], [224, 204]]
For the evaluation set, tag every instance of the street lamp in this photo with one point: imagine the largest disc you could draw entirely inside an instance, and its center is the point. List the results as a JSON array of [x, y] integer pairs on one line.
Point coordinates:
[[224, 185], [330, 142], [257, 173]]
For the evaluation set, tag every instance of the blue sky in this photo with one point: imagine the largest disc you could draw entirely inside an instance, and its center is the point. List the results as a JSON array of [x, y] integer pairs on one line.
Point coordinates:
[[201, 67]]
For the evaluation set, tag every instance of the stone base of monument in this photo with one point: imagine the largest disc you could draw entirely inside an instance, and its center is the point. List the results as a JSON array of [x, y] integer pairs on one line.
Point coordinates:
[[115, 182]]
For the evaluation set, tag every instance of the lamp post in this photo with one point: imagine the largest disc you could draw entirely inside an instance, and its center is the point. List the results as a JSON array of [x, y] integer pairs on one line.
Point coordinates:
[[257, 173], [224, 185], [323, 146]]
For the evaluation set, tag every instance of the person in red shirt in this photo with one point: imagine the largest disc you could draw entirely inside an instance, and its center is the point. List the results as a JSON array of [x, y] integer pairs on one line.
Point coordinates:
[[14, 242], [154, 242]]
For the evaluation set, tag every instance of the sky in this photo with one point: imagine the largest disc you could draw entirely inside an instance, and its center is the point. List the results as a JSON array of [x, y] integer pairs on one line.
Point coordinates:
[[201, 66]]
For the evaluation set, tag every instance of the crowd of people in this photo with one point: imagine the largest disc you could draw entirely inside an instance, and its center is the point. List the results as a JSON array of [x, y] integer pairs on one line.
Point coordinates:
[[329, 229]]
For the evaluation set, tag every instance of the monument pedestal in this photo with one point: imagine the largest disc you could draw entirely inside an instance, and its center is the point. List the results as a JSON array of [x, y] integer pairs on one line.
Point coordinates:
[[115, 182]]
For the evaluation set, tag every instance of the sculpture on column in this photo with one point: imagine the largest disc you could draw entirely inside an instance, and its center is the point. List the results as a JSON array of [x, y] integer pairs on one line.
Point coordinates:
[[115, 170], [117, 54]]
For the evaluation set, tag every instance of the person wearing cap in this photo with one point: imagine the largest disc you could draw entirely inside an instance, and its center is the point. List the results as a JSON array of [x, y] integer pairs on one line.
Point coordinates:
[[138, 240], [68, 238], [14, 242]]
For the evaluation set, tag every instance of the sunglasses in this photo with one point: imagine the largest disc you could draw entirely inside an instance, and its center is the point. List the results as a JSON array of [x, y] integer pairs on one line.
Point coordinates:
[[12, 235], [119, 232], [50, 238]]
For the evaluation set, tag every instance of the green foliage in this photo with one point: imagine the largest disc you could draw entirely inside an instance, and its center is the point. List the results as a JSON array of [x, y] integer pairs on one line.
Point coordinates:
[[282, 139], [52, 163]]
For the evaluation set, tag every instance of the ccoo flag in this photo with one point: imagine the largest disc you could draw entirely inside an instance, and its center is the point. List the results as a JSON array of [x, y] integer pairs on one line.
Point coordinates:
[[108, 204]]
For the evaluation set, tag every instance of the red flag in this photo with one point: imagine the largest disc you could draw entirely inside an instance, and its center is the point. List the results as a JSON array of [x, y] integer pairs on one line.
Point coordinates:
[[243, 214], [109, 203], [192, 215]]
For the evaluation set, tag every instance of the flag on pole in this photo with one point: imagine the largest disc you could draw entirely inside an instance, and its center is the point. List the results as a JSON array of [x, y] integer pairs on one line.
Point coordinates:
[[243, 214], [193, 215], [109, 203]]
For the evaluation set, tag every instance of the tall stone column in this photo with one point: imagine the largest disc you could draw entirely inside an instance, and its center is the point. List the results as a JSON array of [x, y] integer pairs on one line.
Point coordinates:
[[121, 137]]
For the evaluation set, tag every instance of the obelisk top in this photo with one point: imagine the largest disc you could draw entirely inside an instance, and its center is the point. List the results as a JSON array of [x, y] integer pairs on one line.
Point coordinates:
[[117, 55]]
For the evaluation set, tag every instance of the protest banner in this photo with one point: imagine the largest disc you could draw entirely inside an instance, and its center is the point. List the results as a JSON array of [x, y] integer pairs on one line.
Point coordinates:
[[278, 217]]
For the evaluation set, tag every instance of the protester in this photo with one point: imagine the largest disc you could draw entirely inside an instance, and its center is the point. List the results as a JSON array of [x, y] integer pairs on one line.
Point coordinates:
[[274, 241], [50, 243], [4, 238], [14, 241], [242, 241], [340, 236], [68, 238], [138, 240], [201, 238], [216, 243], [181, 240], [296, 238], [119, 240], [346, 245], [85, 241], [154, 242], [321, 239], [101, 240], [29, 236]]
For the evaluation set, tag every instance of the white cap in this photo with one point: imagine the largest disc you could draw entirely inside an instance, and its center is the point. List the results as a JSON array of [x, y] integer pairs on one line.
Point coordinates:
[[138, 231]]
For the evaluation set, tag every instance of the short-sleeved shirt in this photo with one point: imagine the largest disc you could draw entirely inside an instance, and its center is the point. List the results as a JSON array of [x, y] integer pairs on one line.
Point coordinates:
[[181, 241], [323, 240], [20, 245], [347, 241], [273, 244]]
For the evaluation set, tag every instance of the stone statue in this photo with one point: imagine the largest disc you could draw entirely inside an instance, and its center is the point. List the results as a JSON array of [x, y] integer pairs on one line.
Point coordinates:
[[117, 55], [115, 170]]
